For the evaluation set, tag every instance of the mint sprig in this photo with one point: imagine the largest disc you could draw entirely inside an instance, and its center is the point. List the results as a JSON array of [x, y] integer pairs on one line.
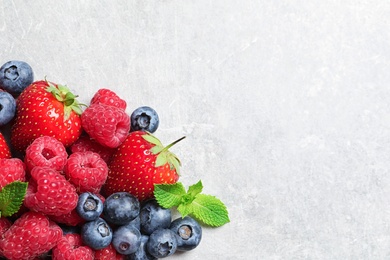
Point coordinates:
[[206, 208], [11, 198]]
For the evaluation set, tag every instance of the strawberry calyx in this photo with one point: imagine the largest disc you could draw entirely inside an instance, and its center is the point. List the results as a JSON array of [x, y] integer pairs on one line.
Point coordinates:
[[65, 96], [163, 154]]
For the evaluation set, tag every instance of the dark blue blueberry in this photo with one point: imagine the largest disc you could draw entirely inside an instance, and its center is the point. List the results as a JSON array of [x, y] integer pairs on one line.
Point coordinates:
[[141, 253], [120, 208], [153, 217], [96, 234], [126, 240], [7, 107], [144, 118], [15, 76], [135, 223], [188, 231], [89, 206], [162, 243]]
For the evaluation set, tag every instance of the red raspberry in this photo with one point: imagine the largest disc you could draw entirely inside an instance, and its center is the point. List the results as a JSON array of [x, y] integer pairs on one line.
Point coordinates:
[[109, 98], [70, 247], [46, 151], [86, 171], [71, 219], [108, 253], [85, 143], [50, 193], [108, 125], [30, 236], [11, 170], [5, 224]]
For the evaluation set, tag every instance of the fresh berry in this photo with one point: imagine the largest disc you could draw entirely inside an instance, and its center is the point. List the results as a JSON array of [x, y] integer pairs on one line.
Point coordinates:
[[107, 125], [140, 162], [70, 247], [5, 224], [109, 98], [86, 143], [144, 118], [135, 223], [5, 151], [71, 219], [188, 231], [11, 170], [7, 107], [141, 253], [162, 243], [120, 208], [96, 234], [15, 76], [46, 151], [45, 108], [108, 253], [126, 239], [30, 236], [49, 192], [89, 206], [153, 217], [87, 171]]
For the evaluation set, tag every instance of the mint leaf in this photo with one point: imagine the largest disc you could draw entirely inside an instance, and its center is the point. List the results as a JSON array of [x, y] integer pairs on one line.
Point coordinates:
[[210, 210], [169, 195], [195, 189], [11, 198]]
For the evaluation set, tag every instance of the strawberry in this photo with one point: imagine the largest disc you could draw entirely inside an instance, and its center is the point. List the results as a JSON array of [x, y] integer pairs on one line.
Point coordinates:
[[5, 151], [70, 247], [140, 162], [12, 169], [45, 108], [30, 236]]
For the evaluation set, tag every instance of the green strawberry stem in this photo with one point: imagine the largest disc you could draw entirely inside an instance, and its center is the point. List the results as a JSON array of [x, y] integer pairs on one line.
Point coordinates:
[[172, 144]]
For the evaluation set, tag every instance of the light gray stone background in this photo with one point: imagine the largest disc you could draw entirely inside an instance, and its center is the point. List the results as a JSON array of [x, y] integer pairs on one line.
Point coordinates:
[[285, 105]]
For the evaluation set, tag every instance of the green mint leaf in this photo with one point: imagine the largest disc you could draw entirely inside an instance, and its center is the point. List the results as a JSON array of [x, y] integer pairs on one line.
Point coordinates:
[[185, 209], [169, 195], [210, 210], [195, 189], [11, 198]]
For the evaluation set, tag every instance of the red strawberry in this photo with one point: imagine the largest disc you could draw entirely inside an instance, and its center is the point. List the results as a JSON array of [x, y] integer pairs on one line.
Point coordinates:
[[86, 143], [86, 171], [49, 192], [109, 98], [70, 247], [5, 152], [12, 169], [108, 253], [140, 162], [30, 236], [46, 151], [45, 108], [108, 125]]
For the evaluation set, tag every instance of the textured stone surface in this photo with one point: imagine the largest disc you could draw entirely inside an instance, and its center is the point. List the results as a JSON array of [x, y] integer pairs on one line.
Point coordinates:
[[285, 105]]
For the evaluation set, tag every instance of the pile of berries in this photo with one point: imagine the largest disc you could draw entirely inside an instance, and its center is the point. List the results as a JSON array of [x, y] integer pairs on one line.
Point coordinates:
[[90, 170]]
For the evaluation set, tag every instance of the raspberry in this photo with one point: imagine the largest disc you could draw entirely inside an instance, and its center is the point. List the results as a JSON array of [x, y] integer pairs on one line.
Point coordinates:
[[87, 171], [108, 125], [108, 253], [49, 192], [11, 170], [109, 98], [85, 143], [5, 224], [70, 247], [46, 151], [71, 219], [30, 236]]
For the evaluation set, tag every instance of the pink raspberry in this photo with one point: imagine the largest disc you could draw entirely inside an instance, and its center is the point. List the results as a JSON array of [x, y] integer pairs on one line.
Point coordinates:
[[46, 151], [109, 98], [108, 253], [50, 193], [30, 236], [70, 247], [11, 170], [87, 171], [86, 143], [108, 125]]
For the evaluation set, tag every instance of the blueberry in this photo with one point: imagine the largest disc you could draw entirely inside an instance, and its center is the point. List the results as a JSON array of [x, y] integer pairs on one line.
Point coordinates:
[[153, 216], [120, 208], [141, 253], [188, 231], [162, 243], [144, 118], [7, 107], [135, 223], [126, 240], [15, 76], [89, 206], [96, 234]]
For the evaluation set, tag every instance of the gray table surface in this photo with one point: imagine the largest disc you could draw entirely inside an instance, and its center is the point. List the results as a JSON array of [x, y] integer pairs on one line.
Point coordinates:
[[285, 105]]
